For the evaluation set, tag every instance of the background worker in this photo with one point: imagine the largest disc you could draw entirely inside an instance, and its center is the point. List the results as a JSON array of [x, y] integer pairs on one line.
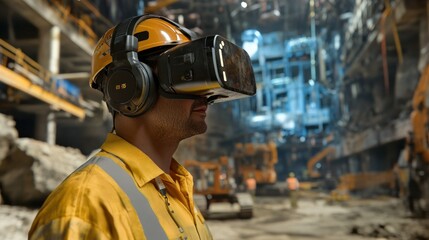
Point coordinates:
[[133, 188], [251, 184], [293, 187]]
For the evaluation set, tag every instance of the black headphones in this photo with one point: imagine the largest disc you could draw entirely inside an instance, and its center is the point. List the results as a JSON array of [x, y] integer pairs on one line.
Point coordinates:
[[129, 87]]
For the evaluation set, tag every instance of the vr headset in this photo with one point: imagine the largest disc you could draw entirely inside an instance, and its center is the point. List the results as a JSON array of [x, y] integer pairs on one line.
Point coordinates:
[[212, 67]]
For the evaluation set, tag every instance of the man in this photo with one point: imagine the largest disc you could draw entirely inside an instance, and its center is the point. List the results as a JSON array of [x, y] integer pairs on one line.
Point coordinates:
[[146, 68], [293, 187], [251, 184]]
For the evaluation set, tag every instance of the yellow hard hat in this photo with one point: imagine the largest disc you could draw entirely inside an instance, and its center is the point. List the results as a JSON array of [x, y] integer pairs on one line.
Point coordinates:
[[152, 33]]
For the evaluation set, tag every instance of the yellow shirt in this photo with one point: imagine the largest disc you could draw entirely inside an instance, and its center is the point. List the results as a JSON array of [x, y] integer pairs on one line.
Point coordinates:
[[90, 205]]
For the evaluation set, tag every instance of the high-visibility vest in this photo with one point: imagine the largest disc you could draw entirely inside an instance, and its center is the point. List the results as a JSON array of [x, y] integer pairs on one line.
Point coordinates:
[[251, 184], [292, 183], [148, 220]]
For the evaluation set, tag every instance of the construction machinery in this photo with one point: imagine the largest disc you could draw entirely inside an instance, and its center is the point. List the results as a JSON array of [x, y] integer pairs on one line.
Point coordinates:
[[347, 182], [417, 150], [214, 183], [223, 180], [318, 174], [312, 163], [256, 160]]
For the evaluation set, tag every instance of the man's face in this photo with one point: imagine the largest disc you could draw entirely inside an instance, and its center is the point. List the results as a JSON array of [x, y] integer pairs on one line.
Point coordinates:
[[180, 118]]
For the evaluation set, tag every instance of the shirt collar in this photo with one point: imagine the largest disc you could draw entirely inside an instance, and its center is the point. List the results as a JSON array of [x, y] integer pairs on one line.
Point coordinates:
[[140, 165], [143, 169], [178, 169]]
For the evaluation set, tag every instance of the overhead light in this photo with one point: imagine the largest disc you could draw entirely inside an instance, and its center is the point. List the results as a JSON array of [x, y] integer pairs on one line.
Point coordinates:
[[289, 125], [259, 118], [281, 117], [244, 4], [251, 38], [276, 12], [337, 41], [251, 47], [181, 19], [280, 81]]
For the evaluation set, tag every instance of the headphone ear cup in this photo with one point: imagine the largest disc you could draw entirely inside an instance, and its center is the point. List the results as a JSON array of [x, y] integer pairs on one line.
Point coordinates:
[[146, 94], [130, 89]]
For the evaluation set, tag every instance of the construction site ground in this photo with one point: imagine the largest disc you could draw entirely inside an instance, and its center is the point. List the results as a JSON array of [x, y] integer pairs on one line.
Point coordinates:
[[318, 217]]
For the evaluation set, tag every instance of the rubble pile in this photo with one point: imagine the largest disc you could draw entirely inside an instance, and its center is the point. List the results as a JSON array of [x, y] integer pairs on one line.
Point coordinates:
[[384, 231], [15, 222], [35, 168], [391, 231], [29, 171], [8, 135]]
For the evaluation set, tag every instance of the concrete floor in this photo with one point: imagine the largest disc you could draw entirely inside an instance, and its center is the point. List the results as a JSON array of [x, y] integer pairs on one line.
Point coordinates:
[[355, 219]]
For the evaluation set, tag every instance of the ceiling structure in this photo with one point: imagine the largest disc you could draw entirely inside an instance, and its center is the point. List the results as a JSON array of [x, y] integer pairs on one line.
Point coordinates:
[[231, 17]]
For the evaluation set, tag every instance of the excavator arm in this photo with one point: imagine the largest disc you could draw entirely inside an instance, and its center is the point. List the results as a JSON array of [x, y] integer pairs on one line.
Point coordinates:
[[316, 158], [419, 139], [417, 148]]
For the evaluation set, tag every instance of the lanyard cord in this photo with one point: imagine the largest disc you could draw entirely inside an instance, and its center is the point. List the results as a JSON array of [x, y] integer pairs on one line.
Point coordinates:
[[163, 190]]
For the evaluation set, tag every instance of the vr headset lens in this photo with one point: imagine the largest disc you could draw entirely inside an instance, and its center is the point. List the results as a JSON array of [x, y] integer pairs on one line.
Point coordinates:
[[210, 66]]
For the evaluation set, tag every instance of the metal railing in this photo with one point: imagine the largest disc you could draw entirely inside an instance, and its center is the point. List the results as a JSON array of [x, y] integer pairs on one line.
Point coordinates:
[[82, 15], [15, 60]]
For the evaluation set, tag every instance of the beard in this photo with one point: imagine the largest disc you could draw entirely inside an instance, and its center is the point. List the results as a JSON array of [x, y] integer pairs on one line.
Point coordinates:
[[174, 123], [193, 125], [198, 127], [182, 129]]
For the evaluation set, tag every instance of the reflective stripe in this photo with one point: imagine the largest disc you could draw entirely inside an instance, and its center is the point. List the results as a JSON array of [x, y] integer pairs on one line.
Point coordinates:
[[150, 224]]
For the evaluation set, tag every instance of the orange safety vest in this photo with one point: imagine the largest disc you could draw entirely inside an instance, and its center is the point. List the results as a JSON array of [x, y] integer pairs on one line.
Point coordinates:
[[292, 183], [251, 184]]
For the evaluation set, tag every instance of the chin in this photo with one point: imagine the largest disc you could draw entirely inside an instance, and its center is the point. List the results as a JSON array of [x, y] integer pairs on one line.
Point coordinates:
[[198, 129], [201, 129]]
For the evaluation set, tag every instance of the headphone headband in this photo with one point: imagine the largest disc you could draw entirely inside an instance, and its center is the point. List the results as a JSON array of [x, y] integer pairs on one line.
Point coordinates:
[[120, 37]]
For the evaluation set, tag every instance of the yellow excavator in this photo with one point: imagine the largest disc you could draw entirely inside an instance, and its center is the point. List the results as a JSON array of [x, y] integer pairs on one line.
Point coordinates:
[[311, 164], [223, 180], [214, 183], [347, 182], [316, 178], [257, 160], [417, 150]]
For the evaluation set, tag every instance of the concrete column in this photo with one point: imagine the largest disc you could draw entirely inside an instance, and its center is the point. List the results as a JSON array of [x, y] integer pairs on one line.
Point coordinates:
[[49, 49], [46, 127], [41, 126], [51, 129], [49, 58]]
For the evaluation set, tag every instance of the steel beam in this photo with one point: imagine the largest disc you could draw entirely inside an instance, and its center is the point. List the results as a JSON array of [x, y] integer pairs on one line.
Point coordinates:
[[21, 83]]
